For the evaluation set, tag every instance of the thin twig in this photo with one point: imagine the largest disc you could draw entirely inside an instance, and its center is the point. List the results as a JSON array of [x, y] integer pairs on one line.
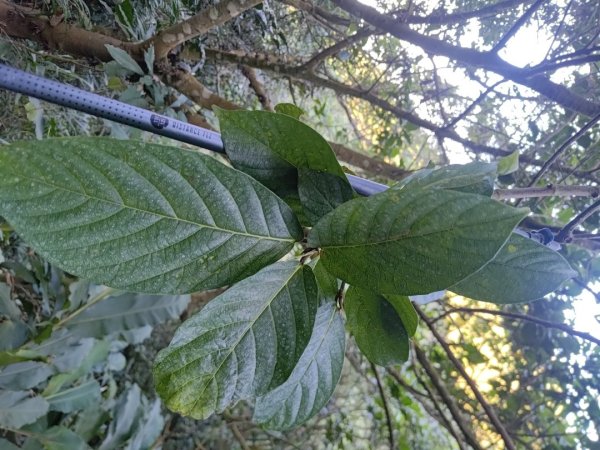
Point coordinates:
[[447, 398], [558, 326], [386, 407], [517, 26], [548, 191], [565, 235], [498, 425], [562, 149]]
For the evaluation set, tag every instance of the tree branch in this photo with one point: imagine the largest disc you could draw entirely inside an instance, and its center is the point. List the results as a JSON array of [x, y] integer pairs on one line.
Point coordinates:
[[438, 384], [565, 235], [558, 326], [197, 25], [548, 191], [508, 442], [471, 57], [257, 87], [386, 407], [517, 26]]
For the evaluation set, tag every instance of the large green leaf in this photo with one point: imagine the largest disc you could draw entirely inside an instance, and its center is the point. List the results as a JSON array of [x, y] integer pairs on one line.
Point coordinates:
[[60, 438], [376, 327], [472, 178], [243, 343], [314, 378], [18, 408], [273, 148], [125, 312], [412, 241], [522, 271], [142, 217]]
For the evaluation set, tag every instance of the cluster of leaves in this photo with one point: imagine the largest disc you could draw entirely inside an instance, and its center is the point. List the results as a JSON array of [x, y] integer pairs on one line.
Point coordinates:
[[155, 219], [62, 362]]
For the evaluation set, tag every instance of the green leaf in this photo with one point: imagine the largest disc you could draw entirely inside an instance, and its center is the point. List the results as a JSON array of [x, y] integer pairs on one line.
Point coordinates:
[[508, 164], [320, 193], [75, 398], [150, 428], [271, 147], [20, 355], [142, 217], [18, 408], [13, 334], [243, 343], [8, 307], [60, 438], [127, 412], [522, 271], [24, 375], [376, 326], [312, 381], [124, 59], [125, 312], [412, 241], [7, 445], [472, 178], [289, 109], [406, 311]]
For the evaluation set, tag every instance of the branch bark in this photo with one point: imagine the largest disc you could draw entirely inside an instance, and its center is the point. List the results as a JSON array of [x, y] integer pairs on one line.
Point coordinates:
[[467, 56], [498, 425]]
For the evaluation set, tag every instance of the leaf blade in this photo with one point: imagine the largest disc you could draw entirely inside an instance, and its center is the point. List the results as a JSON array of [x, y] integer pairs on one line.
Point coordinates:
[[378, 330], [142, 217], [213, 361], [312, 381], [533, 270], [412, 241]]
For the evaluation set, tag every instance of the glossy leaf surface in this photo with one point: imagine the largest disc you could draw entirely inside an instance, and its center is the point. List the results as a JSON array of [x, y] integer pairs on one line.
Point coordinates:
[[412, 241], [376, 327], [522, 271], [314, 378], [142, 217], [243, 343], [472, 178]]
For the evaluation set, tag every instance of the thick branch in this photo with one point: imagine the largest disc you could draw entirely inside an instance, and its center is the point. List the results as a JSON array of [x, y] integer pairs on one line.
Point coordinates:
[[565, 235], [195, 26], [471, 57], [498, 425], [257, 87]]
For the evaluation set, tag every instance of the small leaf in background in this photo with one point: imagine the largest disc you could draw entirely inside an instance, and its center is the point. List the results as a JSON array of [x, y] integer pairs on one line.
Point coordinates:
[[126, 413], [75, 398], [6, 445], [18, 408], [242, 343], [312, 381], [406, 311], [13, 332], [124, 59], [376, 327], [472, 178], [523, 270], [149, 59], [125, 312], [320, 193], [412, 241], [474, 356], [142, 217], [60, 438], [508, 164], [150, 427], [24, 375], [289, 109]]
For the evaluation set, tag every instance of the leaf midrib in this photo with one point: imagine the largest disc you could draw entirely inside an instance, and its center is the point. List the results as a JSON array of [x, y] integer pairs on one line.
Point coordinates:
[[162, 216]]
